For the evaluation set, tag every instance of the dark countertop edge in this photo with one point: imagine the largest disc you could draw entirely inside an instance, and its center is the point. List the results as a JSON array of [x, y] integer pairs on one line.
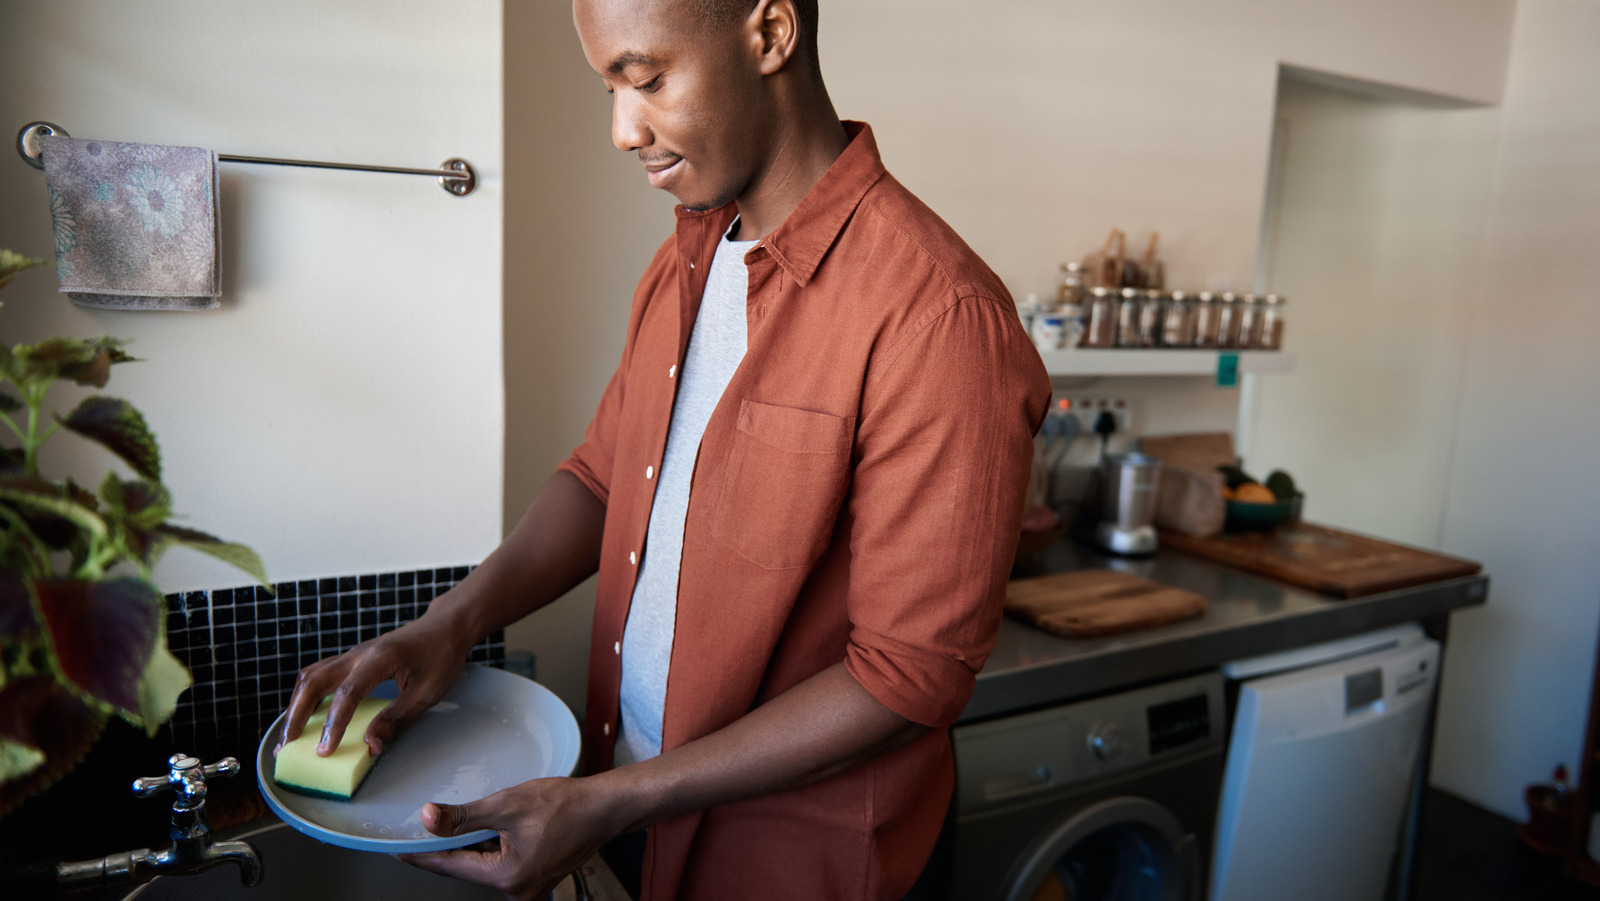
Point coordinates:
[[1092, 673]]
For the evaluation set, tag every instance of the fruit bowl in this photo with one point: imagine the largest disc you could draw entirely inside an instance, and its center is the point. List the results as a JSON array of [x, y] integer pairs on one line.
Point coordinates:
[[1245, 516]]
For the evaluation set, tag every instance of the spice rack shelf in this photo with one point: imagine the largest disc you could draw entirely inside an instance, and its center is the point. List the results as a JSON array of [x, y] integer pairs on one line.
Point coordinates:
[[1081, 361]]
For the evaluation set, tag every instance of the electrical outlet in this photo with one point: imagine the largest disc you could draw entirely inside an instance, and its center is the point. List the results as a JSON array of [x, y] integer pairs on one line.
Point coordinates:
[[1087, 408]]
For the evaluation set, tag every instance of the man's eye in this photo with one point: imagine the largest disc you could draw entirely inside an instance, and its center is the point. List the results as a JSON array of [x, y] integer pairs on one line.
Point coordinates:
[[651, 86]]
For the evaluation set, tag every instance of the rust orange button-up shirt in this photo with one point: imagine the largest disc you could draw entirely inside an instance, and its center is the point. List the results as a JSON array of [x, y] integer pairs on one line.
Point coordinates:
[[856, 498]]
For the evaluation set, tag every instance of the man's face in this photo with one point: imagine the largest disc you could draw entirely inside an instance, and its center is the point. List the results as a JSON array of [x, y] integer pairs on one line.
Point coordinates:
[[686, 97]]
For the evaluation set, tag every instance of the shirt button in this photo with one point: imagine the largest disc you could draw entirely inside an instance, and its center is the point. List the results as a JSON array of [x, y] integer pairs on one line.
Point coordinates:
[[691, 264], [606, 728], [649, 472], [617, 646], [633, 558], [672, 370]]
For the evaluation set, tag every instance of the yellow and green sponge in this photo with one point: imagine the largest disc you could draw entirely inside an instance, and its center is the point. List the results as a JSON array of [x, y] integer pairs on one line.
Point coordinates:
[[338, 775]]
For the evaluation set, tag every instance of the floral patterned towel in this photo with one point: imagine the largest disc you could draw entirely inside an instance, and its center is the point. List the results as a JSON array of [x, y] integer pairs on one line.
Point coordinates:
[[136, 224]]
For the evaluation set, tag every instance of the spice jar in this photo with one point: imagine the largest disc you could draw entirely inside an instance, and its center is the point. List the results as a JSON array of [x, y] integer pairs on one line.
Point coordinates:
[[1128, 317], [1272, 322], [1150, 318], [1205, 319], [1177, 327], [1070, 289], [1250, 310], [1101, 327], [1228, 319]]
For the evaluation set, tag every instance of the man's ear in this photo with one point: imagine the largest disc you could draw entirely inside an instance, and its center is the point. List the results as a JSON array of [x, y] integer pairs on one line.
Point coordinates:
[[774, 28]]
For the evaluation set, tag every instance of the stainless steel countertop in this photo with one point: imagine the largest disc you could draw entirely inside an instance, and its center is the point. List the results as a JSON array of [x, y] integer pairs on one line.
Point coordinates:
[[1247, 616]]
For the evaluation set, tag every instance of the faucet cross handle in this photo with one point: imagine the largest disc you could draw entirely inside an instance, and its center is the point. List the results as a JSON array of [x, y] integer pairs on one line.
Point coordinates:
[[186, 777]]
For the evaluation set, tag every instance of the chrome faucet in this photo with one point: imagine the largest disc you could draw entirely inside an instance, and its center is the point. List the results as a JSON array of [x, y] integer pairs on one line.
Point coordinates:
[[192, 849]]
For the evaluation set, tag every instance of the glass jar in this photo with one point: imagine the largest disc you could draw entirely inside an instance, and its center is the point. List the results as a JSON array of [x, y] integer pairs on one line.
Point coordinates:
[[1272, 322], [1228, 308], [1177, 326], [1070, 290], [1205, 319], [1150, 318], [1128, 317], [1100, 329], [1250, 310]]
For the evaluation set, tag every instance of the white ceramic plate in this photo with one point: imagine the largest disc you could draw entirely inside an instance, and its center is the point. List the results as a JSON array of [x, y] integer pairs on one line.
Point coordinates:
[[493, 730]]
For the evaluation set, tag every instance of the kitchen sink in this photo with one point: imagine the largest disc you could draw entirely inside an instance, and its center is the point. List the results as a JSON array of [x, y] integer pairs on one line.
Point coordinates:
[[296, 867]]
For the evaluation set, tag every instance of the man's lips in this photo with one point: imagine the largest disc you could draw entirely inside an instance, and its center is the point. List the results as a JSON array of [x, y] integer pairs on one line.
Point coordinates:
[[660, 170]]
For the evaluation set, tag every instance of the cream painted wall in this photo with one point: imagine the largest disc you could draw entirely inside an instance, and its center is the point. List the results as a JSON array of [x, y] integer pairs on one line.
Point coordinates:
[[1373, 234], [342, 412], [1032, 126], [1522, 492]]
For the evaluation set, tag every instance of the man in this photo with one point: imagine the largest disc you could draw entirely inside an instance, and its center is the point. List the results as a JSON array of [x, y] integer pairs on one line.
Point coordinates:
[[801, 491]]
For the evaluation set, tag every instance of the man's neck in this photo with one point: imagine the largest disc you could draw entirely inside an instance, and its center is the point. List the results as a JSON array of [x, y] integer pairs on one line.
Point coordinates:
[[801, 156]]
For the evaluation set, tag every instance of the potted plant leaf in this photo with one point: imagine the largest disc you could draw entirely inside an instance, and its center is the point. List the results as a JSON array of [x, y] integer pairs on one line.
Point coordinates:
[[82, 624]]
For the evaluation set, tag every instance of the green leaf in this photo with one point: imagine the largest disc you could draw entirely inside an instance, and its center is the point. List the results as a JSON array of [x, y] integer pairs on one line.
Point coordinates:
[[141, 504], [18, 760], [41, 496], [164, 680], [235, 554], [85, 361], [13, 263], [101, 634], [121, 429]]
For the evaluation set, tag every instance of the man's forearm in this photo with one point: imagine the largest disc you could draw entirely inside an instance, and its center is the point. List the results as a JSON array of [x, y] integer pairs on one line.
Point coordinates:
[[555, 546], [820, 727]]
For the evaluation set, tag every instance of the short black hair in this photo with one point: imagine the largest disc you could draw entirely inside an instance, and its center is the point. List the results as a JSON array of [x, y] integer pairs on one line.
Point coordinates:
[[721, 13]]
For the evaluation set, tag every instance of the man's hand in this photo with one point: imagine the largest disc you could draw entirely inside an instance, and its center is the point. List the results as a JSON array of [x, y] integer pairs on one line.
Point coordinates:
[[423, 657], [547, 827]]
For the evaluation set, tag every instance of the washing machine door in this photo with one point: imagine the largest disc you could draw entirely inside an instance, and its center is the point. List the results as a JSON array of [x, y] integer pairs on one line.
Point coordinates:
[[1121, 849]]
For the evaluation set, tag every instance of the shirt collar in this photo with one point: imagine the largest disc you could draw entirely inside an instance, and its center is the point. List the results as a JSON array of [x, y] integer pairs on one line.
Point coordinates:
[[800, 242]]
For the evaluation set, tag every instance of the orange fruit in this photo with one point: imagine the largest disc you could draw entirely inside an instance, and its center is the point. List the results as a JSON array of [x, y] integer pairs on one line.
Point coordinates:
[[1251, 493]]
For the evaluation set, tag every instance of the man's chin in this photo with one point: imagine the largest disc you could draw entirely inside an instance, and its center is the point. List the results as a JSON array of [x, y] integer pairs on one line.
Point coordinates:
[[702, 205]]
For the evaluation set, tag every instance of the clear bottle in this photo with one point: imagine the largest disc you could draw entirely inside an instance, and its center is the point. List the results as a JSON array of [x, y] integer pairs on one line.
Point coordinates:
[[1205, 319], [1101, 328], [1128, 317], [1070, 290], [1228, 319], [1177, 327], [1150, 318], [1272, 322]]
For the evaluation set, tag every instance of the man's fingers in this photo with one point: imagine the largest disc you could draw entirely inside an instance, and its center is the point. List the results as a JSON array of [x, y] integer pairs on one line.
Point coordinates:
[[352, 691], [402, 710], [481, 867], [314, 682], [455, 819]]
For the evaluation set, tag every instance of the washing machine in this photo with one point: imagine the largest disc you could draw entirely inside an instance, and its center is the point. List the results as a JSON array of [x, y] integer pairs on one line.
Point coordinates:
[[1107, 799]]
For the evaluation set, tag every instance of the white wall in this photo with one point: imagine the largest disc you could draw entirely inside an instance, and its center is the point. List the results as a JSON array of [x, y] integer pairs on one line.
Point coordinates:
[[343, 411], [1373, 232], [1523, 496], [1032, 126]]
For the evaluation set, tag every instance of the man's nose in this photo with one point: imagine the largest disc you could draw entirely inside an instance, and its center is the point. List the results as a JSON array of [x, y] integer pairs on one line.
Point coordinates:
[[628, 129]]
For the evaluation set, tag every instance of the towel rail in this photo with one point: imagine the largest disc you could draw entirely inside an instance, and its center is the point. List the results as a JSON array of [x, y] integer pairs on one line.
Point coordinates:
[[455, 175]]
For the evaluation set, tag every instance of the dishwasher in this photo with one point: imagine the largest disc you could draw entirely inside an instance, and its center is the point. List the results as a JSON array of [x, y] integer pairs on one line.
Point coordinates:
[[1325, 746]]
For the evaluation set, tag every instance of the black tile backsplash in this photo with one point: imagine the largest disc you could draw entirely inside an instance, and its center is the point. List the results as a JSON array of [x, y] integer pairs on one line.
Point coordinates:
[[245, 646]]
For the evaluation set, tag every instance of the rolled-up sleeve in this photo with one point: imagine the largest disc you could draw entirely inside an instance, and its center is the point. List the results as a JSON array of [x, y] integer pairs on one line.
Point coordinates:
[[945, 444]]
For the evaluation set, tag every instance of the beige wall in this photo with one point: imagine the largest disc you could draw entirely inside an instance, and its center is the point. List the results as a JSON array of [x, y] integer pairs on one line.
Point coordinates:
[[342, 412], [1522, 495], [1032, 126]]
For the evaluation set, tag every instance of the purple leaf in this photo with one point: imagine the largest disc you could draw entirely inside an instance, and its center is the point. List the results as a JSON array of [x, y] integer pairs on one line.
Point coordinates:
[[37, 712], [102, 633], [16, 606], [121, 429]]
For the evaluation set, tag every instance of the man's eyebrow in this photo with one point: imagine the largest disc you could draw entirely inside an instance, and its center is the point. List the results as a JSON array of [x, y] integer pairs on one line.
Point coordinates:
[[629, 58]]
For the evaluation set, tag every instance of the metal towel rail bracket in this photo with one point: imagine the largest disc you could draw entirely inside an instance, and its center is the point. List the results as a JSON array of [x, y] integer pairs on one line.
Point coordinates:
[[455, 175]]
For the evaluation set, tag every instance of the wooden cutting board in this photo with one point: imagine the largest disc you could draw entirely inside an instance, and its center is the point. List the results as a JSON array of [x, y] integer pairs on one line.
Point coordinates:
[[1093, 602], [1342, 564]]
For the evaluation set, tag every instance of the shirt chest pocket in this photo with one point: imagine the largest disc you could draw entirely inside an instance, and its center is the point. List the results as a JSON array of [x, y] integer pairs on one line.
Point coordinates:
[[787, 473]]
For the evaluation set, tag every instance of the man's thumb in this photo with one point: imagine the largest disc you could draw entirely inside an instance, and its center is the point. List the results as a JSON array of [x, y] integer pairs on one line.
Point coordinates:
[[452, 819]]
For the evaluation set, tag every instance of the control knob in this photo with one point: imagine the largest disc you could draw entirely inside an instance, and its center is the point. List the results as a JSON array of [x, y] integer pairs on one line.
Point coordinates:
[[1106, 741]]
